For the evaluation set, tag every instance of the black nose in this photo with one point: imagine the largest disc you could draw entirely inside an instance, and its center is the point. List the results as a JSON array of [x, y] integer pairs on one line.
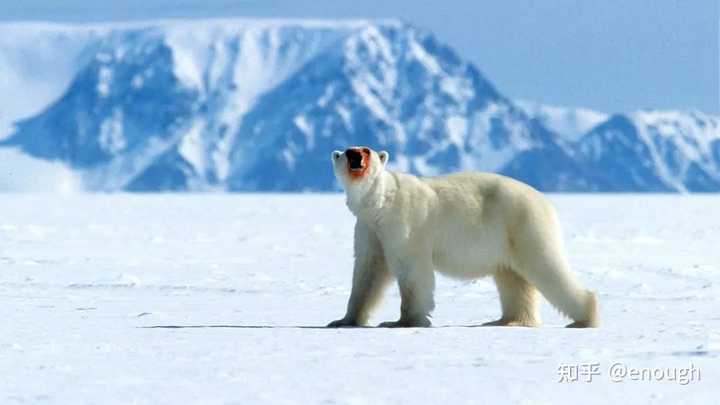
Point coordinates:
[[354, 158]]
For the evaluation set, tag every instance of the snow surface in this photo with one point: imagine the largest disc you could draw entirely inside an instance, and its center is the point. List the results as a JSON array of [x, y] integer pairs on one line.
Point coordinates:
[[221, 299], [22, 173]]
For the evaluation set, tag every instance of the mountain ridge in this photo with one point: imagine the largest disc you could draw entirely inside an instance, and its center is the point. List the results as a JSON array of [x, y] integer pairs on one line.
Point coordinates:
[[256, 105]]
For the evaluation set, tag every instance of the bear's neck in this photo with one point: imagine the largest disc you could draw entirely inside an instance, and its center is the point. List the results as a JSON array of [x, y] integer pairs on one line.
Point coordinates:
[[367, 200]]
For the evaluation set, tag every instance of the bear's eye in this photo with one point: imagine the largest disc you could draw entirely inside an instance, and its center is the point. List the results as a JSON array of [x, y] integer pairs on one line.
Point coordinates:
[[366, 150]]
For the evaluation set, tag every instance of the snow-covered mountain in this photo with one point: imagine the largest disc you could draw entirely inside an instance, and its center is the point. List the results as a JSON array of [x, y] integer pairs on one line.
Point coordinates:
[[653, 151], [570, 123], [260, 104]]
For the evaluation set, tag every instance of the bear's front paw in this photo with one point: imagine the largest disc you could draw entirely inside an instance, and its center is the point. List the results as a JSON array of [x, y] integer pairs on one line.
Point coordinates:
[[530, 323], [406, 323], [343, 323]]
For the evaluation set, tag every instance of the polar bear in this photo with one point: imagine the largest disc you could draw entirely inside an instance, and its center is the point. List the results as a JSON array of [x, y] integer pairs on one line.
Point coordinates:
[[465, 226]]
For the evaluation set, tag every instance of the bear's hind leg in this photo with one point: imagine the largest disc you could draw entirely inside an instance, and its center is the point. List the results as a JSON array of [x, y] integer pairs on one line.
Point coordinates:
[[518, 299], [550, 274]]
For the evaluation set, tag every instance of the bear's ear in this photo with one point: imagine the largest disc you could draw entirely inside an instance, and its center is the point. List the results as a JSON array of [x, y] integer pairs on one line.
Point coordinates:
[[336, 154], [384, 156]]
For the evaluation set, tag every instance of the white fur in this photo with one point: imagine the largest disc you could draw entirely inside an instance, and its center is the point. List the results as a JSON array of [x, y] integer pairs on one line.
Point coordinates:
[[466, 226]]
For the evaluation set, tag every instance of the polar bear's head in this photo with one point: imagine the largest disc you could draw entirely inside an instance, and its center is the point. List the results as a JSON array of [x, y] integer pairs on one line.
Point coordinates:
[[358, 165]]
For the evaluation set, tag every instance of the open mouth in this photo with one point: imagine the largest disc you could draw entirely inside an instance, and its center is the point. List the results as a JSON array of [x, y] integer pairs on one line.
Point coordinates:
[[356, 161]]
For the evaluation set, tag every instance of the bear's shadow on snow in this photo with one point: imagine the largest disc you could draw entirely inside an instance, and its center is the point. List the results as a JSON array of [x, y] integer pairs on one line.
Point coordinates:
[[291, 327], [231, 327]]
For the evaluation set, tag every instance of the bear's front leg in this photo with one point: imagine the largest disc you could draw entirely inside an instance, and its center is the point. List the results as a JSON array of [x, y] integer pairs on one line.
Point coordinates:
[[370, 278], [416, 279]]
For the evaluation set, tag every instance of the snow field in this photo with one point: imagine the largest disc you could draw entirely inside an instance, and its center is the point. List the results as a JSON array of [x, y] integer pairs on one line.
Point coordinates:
[[222, 299]]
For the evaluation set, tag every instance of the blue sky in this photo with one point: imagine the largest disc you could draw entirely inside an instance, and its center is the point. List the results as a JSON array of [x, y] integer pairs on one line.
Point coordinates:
[[611, 55]]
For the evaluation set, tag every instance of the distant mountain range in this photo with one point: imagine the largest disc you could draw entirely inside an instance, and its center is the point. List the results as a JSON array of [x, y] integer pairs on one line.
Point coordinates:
[[258, 105]]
